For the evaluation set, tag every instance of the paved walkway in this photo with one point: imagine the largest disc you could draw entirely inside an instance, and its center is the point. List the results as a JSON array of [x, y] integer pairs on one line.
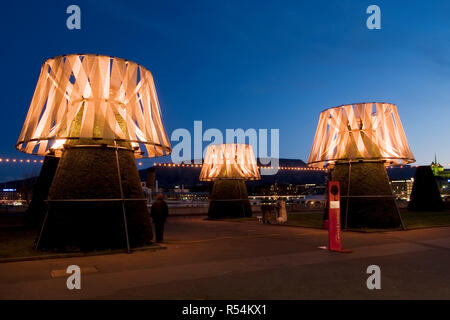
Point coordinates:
[[247, 260]]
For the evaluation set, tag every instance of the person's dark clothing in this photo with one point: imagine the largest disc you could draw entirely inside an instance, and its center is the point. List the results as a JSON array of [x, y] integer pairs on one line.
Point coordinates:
[[159, 213], [159, 231]]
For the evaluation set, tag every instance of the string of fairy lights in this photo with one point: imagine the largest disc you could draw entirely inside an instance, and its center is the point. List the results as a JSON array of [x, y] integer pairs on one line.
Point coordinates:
[[6, 160], [23, 161], [174, 165]]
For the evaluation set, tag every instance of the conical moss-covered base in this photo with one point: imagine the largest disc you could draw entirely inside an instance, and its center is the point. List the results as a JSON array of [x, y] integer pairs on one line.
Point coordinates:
[[91, 173], [425, 195], [370, 204], [229, 199]]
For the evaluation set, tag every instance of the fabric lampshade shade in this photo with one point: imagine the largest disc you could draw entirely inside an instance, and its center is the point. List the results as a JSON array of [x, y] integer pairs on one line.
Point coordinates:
[[360, 132], [229, 161], [94, 98]]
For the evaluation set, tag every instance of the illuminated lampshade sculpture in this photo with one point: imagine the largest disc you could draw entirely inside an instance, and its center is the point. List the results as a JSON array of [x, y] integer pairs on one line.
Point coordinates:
[[357, 141], [97, 113], [229, 165]]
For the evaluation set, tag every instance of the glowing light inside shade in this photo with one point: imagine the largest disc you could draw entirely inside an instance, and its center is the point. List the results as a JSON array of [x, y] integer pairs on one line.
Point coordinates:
[[58, 144], [364, 131], [229, 161]]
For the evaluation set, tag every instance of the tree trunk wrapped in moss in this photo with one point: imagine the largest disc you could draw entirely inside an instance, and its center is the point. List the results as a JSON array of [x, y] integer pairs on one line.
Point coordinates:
[[425, 195], [229, 199], [371, 203]]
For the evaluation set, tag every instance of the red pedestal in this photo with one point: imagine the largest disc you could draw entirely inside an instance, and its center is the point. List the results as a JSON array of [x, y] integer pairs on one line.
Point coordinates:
[[334, 218]]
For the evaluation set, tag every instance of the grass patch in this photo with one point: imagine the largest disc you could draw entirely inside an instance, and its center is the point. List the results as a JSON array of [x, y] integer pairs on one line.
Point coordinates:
[[414, 220], [301, 219], [411, 219], [308, 219], [17, 244]]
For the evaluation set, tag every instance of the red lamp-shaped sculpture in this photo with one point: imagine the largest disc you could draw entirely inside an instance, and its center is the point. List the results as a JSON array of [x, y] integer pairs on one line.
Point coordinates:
[[357, 142], [97, 114], [229, 165]]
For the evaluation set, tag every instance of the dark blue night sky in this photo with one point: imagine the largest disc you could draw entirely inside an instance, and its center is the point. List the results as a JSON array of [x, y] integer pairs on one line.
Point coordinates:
[[246, 64]]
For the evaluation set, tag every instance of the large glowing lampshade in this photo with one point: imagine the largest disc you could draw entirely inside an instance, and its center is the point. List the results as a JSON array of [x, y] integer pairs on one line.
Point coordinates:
[[97, 113], [229, 165], [357, 141], [100, 98], [229, 161], [361, 131]]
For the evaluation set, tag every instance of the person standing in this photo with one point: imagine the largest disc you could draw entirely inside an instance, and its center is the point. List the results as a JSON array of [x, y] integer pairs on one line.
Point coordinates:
[[159, 213], [282, 213], [277, 209]]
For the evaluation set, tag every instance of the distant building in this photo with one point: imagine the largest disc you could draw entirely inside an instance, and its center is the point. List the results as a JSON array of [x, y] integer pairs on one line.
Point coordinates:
[[442, 177], [10, 196], [437, 168], [291, 179], [181, 182], [402, 188], [294, 178]]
